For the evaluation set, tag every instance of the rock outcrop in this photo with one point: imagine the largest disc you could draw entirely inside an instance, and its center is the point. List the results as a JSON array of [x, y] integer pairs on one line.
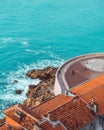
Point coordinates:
[[43, 91], [43, 74]]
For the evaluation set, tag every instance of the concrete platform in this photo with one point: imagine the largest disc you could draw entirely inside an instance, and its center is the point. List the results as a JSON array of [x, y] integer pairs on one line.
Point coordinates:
[[78, 70]]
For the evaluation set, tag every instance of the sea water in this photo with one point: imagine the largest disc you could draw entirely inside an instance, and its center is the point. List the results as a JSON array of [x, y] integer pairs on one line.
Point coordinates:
[[39, 33]]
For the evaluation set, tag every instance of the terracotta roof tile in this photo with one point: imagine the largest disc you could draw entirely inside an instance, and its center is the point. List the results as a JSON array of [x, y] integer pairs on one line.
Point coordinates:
[[47, 126], [7, 127], [74, 114], [85, 87], [4, 127], [10, 108], [52, 104], [98, 95], [24, 121]]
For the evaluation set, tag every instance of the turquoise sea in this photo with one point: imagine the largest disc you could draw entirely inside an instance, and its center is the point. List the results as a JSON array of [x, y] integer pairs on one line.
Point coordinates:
[[40, 33]]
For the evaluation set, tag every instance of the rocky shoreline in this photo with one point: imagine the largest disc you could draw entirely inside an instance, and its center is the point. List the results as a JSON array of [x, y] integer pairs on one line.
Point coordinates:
[[43, 91], [40, 93]]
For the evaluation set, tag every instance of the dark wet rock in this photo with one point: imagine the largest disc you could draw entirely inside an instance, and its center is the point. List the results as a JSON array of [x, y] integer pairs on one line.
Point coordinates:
[[43, 91], [18, 91], [32, 86], [15, 81], [2, 121]]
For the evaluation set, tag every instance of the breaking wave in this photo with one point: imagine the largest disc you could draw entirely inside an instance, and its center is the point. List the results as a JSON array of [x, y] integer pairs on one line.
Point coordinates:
[[20, 40], [8, 96]]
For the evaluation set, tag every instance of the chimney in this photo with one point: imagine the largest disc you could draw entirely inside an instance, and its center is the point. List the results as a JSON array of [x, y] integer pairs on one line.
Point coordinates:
[[93, 106], [48, 116]]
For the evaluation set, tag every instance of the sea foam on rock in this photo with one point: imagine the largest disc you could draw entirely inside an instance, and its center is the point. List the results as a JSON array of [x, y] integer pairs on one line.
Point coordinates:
[[43, 91]]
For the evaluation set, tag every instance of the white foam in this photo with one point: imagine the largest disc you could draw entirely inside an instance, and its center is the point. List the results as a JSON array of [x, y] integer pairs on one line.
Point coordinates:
[[7, 39], [24, 42], [36, 52], [52, 55], [8, 95], [23, 81], [49, 53]]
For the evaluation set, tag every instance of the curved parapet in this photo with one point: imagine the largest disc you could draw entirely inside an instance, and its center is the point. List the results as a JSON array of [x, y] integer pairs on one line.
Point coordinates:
[[78, 70]]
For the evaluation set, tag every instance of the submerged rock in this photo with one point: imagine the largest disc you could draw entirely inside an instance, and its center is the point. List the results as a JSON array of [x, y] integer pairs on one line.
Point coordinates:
[[15, 81], [18, 91], [43, 91]]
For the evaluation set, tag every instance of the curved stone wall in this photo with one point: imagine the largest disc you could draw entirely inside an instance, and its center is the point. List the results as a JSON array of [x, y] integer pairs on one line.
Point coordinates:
[[78, 70]]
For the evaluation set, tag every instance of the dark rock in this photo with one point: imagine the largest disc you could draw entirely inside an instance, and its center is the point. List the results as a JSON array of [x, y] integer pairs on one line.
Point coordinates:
[[43, 91], [15, 81], [2, 121], [18, 91], [32, 86]]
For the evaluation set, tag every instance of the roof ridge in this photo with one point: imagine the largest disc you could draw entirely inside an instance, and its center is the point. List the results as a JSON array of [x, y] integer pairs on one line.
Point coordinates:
[[102, 85]]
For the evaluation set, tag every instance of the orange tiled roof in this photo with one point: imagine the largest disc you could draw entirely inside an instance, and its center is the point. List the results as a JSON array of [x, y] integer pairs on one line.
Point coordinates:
[[98, 95], [73, 114], [7, 127], [47, 126], [27, 117], [4, 127], [10, 108], [91, 84], [52, 104]]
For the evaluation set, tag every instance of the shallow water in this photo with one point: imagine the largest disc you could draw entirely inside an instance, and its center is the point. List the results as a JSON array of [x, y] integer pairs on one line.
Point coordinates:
[[36, 34]]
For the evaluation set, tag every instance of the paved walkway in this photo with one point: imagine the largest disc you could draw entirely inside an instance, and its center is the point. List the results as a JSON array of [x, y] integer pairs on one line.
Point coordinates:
[[80, 69]]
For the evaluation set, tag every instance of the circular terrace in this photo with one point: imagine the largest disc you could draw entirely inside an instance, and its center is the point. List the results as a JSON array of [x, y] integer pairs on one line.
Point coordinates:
[[78, 70]]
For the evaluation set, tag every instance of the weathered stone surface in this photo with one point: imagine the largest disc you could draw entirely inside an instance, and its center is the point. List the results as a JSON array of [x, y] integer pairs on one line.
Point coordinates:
[[34, 74], [43, 91], [42, 74]]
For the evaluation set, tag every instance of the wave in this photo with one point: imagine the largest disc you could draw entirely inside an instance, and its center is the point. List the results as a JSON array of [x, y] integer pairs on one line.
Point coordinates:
[[25, 43], [22, 41], [36, 52], [8, 96], [7, 39], [49, 53]]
